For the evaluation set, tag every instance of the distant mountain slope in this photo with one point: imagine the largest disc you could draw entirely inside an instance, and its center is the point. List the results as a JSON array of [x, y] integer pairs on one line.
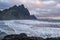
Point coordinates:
[[49, 20], [16, 12]]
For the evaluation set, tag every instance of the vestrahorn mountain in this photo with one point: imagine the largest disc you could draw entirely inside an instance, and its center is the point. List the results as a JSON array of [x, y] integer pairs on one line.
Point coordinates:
[[16, 12]]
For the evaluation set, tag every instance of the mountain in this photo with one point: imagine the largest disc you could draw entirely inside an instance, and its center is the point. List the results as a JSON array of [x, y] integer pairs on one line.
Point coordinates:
[[49, 20], [16, 12]]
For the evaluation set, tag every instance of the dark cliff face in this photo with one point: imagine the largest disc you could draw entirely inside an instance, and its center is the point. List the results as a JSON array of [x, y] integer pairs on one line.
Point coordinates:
[[16, 12]]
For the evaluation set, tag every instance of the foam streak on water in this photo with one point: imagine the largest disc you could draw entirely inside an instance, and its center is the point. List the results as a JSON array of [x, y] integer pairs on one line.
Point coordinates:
[[31, 27]]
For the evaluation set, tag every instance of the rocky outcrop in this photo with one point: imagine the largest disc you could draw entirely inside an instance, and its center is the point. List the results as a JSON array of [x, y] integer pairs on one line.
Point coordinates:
[[16, 12], [21, 36], [2, 34], [58, 38]]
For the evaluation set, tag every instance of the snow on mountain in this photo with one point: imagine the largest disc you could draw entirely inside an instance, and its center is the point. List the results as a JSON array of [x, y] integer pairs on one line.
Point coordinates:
[[31, 28]]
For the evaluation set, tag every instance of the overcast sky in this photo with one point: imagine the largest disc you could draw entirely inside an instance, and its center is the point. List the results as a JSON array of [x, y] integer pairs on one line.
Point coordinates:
[[44, 8]]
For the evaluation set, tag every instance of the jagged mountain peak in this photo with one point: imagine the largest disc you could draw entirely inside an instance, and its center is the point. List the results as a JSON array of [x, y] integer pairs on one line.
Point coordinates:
[[17, 12], [21, 6]]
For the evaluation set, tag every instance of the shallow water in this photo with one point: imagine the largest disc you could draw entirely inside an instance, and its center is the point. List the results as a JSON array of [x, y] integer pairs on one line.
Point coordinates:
[[31, 28]]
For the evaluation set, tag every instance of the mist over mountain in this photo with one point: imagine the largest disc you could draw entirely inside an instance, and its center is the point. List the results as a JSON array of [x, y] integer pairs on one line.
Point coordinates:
[[16, 12]]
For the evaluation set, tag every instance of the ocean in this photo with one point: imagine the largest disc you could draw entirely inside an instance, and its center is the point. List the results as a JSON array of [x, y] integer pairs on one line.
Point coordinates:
[[34, 28]]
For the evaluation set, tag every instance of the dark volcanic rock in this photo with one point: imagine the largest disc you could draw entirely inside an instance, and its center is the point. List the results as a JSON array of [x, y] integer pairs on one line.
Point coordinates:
[[16, 12], [2, 34], [0, 15], [58, 38], [21, 36]]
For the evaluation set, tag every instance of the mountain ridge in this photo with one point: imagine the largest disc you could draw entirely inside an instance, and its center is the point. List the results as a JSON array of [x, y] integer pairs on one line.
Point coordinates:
[[16, 12]]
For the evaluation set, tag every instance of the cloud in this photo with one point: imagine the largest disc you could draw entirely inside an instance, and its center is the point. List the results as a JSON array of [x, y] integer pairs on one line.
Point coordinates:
[[58, 1], [49, 2], [3, 4], [57, 6], [37, 7]]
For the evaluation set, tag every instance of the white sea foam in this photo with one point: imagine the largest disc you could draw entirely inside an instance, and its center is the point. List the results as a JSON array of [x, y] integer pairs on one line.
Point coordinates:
[[31, 28]]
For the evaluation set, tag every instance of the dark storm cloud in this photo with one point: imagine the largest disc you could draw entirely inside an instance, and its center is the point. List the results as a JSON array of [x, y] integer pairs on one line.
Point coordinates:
[[4, 5]]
